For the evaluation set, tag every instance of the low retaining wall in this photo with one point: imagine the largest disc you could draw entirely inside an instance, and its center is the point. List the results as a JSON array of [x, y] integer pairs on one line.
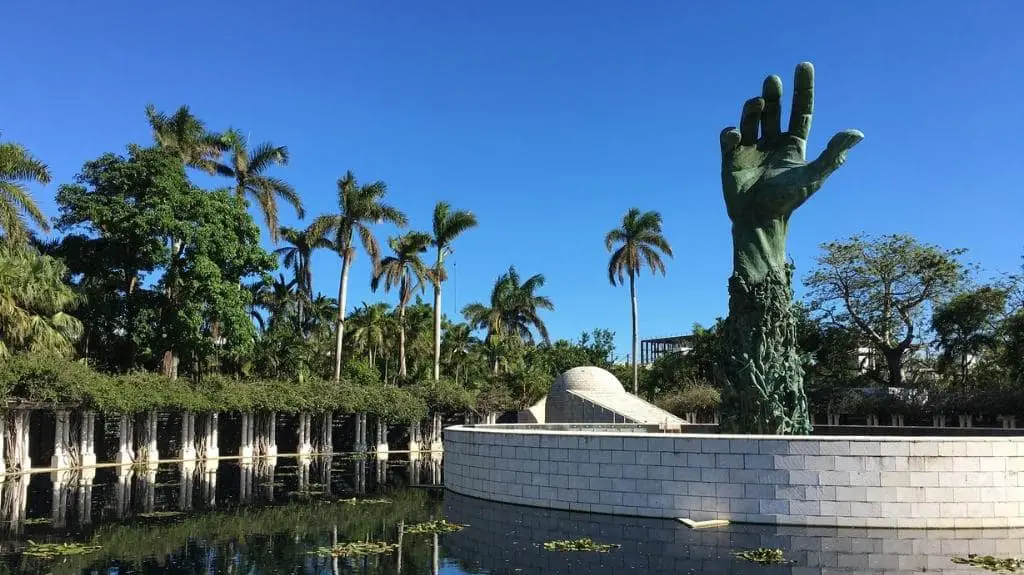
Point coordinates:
[[920, 482]]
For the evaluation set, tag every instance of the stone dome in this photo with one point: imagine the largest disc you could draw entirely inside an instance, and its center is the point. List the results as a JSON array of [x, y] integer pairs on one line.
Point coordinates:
[[587, 379]]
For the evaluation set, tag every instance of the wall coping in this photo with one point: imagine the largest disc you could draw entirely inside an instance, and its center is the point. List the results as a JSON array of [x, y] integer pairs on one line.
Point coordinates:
[[625, 430]]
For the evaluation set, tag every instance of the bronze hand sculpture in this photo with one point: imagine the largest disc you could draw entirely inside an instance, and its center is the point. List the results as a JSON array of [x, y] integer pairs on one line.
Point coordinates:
[[765, 179]]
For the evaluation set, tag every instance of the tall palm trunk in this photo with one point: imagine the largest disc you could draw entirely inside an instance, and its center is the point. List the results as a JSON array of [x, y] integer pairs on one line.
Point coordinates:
[[401, 341], [636, 333], [437, 318], [346, 261]]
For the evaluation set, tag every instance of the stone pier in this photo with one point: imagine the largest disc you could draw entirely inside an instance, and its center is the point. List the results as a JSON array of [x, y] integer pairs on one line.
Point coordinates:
[[187, 451]]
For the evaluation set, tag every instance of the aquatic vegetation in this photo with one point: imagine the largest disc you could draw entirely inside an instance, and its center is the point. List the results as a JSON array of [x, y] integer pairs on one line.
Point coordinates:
[[38, 521], [160, 514], [990, 563], [53, 550], [437, 526], [582, 544], [762, 555], [367, 501], [355, 549]]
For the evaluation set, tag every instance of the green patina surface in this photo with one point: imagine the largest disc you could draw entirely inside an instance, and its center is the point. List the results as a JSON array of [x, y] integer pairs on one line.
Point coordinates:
[[765, 178]]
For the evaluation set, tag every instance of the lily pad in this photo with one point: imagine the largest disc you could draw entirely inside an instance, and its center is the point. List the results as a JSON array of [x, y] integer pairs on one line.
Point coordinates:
[[583, 544], [52, 550], [438, 526], [357, 501], [355, 549], [763, 556], [990, 563], [38, 521], [160, 514]]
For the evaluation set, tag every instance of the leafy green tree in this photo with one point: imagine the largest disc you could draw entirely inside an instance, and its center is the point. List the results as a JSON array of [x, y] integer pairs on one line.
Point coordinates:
[[18, 166], [405, 271], [359, 207], [883, 287], [186, 136], [967, 327], [641, 243], [248, 167], [513, 311], [448, 225], [35, 303]]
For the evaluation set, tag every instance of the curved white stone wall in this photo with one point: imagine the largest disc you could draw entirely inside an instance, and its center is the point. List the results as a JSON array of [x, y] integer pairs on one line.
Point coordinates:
[[912, 482]]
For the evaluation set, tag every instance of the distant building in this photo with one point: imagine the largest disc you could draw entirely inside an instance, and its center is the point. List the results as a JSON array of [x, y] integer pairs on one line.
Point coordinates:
[[652, 349]]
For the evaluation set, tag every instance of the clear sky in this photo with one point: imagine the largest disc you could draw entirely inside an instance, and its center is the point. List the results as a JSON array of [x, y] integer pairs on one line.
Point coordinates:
[[550, 119]]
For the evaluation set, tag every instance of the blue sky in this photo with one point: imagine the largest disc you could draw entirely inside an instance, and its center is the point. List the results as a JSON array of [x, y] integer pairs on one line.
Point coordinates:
[[550, 119]]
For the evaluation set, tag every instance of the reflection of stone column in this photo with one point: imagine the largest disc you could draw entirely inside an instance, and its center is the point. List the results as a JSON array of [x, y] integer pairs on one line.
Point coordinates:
[[245, 482], [59, 481], [381, 439], [83, 496], [15, 502], [149, 488], [435, 563], [245, 450], [326, 472], [361, 476], [188, 437], [265, 438], [87, 440], [435, 441], [435, 471], [414, 470], [401, 532], [123, 491], [125, 453], [265, 477], [187, 487], [305, 446], [208, 483], [61, 439], [334, 558], [381, 469], [147, 439], [272, 434], [303, 473]]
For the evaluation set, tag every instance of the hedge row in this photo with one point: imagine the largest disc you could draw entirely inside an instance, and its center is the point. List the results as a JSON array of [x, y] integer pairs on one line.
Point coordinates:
[[55, 380]]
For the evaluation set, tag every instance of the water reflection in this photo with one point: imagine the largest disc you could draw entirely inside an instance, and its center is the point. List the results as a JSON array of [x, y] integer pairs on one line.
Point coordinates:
[[270, 515]]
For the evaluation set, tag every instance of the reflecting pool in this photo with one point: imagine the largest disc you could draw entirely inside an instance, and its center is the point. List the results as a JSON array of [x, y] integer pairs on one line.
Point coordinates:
[[265, 518]]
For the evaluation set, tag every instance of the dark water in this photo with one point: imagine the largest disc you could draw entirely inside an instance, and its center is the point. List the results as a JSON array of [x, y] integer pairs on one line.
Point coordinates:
[[268, 519]]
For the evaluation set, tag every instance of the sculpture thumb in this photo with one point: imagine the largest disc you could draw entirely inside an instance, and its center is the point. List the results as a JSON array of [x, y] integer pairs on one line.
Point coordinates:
[[835, 152]]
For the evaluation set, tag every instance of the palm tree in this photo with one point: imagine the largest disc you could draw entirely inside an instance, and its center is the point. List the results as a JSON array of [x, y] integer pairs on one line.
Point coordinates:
[[296, 255], [459, 344], [17, 166], [513, 311], [406, 271], [370, 328], [186, 136], [248, 167], [642, 245], [359, 208], [448, 225], [34, 300]]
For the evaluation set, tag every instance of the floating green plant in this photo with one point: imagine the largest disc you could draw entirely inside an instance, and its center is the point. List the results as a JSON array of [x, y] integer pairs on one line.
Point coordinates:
[[305, 493], [357, 501], [355, 549], [160, 514], [763, 555], [583, 544], [438, 526], [52, 550], [268, 484], [990, 563], [38, 521]]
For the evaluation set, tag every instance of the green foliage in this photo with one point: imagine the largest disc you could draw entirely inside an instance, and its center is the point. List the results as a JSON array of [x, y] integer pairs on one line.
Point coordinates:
[[444, 395], [966, 327], [18, 166], [51, 379], [436, 526], [355, 549], [34, 303], [692, 398], [990, 563], [55, 550], [513, 309]]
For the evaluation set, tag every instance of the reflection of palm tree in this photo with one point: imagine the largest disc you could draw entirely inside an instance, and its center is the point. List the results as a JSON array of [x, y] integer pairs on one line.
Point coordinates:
[[403, 270], [448, 225], [17, 166], [359, 207], [642, 244], [249, 166]]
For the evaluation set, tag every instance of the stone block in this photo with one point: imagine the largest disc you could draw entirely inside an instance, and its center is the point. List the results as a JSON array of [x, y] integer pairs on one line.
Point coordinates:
[[687, 473], [777, 447], [744, 506], [868, 447], [728, 490], [624, 457], [701, 489], [924, 449], [770, 506], [804, 447], [652, 486], [757, 461], [849, 463], [836, 478], [648, 458], [760, 492], [696, 460], [800, 477], [659, 472], [714, 445], [804, 508], [795, 462], [728, 461], [743, 446], [714, 475], [611, 444], [820, 462]]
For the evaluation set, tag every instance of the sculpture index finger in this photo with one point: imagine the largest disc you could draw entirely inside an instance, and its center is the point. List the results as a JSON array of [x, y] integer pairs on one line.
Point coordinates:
[[803, 101]]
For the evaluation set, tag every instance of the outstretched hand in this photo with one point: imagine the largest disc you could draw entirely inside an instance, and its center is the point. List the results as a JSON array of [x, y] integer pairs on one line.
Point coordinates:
[[769, 176]]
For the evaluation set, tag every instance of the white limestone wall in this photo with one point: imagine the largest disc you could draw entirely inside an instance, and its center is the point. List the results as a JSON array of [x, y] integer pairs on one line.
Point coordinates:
[[924, 482]]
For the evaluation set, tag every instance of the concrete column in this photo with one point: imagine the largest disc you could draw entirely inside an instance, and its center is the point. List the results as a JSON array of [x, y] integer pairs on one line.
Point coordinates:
[[3, 442], [245, 450], [938, 421], [361, 476], [327, 433], [208, 483], [125, 453], [187, 451], [414, 440], [87, 449], [872, 420], [149, 454], [897, 420], [360, 444], [1008, 421], [272, 434], [149, 488], [212, 450], [437, 444], [61, 439], [966, 420], [381, 439], [305, 446]]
